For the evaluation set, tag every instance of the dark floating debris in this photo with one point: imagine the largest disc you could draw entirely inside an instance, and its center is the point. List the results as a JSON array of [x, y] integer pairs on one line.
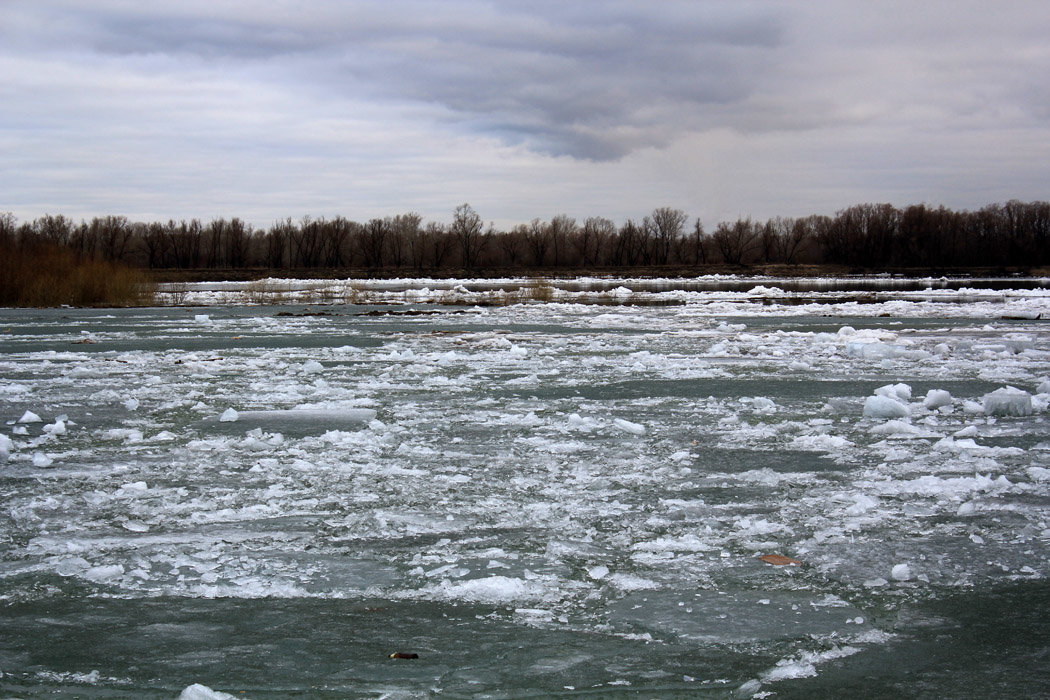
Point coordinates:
[[411, 312], [404, 655], [779, 560]]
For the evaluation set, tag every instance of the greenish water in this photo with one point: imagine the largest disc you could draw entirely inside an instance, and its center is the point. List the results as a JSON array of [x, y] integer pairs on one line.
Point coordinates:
[[538, 501]]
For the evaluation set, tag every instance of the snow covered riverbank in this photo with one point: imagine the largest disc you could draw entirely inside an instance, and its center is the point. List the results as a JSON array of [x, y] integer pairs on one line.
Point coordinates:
[[718, 295]]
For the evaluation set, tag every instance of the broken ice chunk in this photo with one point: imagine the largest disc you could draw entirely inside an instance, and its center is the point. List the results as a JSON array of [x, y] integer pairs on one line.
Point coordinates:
[[885, 407], [30, 417], [1008, 401], [935, 398], [629, 427]]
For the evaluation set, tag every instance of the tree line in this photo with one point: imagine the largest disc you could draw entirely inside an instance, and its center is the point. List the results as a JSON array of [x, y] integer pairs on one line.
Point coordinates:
[[864, 237]]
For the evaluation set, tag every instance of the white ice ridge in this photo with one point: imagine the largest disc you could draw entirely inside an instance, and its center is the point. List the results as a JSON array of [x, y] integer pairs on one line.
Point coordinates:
[[276, 418]]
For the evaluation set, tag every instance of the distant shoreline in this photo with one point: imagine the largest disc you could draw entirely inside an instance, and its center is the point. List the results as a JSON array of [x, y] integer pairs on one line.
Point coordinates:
[[168, 276]]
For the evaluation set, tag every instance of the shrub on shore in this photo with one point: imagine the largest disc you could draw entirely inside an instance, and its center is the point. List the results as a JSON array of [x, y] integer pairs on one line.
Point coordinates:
[[52, 276]]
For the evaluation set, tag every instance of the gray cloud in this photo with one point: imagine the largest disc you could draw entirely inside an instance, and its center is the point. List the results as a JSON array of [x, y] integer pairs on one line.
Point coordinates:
[[723, 106], [590, 80]]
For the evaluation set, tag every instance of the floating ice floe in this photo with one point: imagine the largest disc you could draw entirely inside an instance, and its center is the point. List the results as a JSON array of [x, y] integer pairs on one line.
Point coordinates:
[[1008, 401], [492, 589], [885, 407], [876, 350], [820, 442], [203, 692], [898, 428], [598, 572], [899, 392], [958, 445], [936, 398], [300, 417], [6, 445], [30, 417], [629, 427]]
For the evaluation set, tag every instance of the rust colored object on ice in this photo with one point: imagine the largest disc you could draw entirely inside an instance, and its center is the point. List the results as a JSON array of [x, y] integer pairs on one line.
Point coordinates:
[[778, 559], [404, 655]]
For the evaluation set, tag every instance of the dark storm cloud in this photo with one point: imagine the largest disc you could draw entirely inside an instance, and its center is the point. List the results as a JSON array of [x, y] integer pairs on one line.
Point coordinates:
[[590, 80], [595, 90]]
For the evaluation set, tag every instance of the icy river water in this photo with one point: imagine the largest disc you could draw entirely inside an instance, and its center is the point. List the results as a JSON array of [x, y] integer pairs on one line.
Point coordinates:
[[554, 499]]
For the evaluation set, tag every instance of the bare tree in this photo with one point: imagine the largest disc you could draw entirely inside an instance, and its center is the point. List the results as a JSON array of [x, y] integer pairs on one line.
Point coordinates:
[[666, 225], [185, 240], [404, 228], [467, 229], [698, 244], [440, 242], [737, 243], [53, 229], [538, 240], [592, 238], [783, 239], [306, 243], [563, 229], [627, 249], [8, 229], [512, 245], [238, 236], [277, 244], [156, 245]]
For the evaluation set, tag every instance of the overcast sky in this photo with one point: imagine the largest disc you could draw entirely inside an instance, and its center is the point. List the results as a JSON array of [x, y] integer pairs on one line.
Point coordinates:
[[524, 109]]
